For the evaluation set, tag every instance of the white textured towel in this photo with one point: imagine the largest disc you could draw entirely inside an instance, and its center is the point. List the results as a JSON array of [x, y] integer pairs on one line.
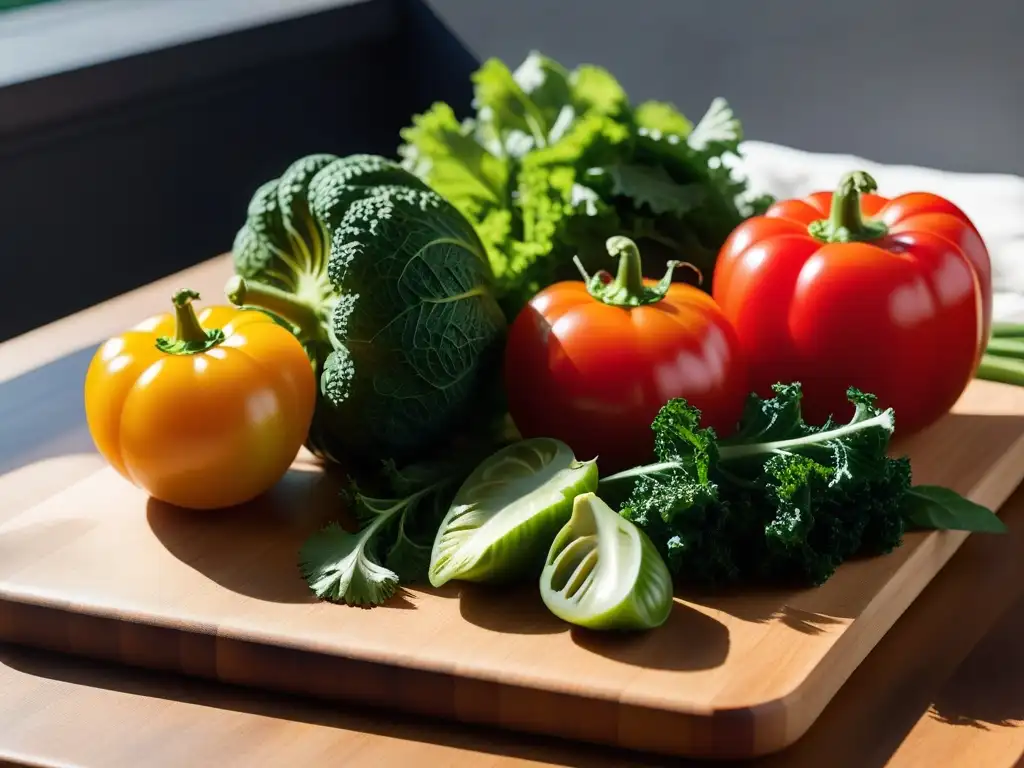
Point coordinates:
[[994, 202]]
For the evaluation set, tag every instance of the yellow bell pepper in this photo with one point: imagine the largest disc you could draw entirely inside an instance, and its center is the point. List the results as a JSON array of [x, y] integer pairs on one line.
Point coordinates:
[[204, 411]]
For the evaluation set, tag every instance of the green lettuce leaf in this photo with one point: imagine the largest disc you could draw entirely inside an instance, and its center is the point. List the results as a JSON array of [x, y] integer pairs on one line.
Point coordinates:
[[554, 161], [447, 154], [596, 91], [662, 118], [651, 186]]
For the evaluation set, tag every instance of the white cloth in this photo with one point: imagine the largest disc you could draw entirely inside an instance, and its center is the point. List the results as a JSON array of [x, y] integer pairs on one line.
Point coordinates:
[[994, 202]]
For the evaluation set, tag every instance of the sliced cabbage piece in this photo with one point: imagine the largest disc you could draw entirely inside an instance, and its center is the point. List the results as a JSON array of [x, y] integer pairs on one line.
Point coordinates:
[[602, 572], [506, 513]]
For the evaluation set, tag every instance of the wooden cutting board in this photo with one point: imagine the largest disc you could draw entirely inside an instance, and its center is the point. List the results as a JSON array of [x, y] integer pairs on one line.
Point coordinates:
[[102, 571]]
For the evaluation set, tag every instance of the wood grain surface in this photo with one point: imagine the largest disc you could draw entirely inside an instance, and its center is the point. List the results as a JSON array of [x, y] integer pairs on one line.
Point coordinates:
[[921, 652]]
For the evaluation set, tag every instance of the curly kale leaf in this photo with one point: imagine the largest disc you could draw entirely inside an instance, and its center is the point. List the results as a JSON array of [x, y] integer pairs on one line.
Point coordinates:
[[779, 500]]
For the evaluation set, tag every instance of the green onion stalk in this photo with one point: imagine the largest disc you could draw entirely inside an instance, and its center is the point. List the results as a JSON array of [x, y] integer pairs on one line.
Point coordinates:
[[1003, 360]]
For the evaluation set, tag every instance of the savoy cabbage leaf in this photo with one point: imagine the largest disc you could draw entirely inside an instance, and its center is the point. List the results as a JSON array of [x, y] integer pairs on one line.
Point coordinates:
[[391, 292]]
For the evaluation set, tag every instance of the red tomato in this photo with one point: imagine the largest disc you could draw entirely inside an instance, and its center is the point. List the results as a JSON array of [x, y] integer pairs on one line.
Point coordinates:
[[591, 363], [899, 306]]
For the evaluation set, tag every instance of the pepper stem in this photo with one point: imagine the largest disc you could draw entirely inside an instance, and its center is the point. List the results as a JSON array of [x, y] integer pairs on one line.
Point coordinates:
[[846, 222], [287, 306], [187, 327], [189, 335], [627, 288]]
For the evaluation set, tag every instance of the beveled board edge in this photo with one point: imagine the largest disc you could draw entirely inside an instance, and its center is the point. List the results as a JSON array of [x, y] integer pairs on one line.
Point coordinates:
[[802, 706], [431, 694]]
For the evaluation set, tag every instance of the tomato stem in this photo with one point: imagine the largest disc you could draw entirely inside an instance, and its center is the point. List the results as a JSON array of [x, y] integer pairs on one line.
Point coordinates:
[[189, 335], [287, 306], [846, 222], [630, 278], [628, 288]]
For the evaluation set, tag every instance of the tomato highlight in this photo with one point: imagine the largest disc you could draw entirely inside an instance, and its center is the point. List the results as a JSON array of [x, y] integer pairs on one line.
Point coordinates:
[[592, 362]]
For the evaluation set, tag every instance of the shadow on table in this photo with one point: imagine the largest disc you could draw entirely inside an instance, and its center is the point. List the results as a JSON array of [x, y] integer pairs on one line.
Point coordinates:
[[988, 689], [951, 628], [285, 707]]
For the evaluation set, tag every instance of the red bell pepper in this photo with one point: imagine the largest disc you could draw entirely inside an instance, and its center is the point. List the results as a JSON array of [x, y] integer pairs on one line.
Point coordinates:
[[893, 297]]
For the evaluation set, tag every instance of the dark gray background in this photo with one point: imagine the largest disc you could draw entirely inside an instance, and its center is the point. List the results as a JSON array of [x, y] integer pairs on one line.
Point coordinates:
[[932, 82], [115, 174]]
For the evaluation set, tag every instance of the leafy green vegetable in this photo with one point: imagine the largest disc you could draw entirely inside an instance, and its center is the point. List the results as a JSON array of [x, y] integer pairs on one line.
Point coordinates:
[[553, 162], [780, 500], [507, 512], [396, 528], [932, 506], [391, 292], [602, 572]]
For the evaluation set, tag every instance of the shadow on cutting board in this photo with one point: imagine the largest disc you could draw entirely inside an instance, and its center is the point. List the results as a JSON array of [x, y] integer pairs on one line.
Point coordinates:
[[689, 641], [514, 610], [519, 610], [861, 728], [253, 549]]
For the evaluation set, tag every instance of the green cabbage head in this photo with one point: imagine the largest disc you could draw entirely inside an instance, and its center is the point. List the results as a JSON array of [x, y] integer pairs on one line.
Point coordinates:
[[389, 289]]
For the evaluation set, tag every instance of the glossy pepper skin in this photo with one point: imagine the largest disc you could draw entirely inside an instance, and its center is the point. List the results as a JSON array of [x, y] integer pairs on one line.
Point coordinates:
[[843, 289], [592, 362], [204, 411]]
